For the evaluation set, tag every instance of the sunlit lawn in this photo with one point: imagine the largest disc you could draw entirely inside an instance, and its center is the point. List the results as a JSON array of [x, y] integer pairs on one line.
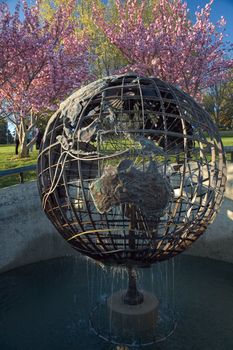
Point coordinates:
[[227, 140], [8, 160]]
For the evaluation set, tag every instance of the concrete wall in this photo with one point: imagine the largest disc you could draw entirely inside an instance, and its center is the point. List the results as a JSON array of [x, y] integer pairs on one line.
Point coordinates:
[[26, 235], [217, 241]]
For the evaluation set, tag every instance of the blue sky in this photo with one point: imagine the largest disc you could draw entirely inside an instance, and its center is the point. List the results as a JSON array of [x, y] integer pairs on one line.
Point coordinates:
[[219, 8]]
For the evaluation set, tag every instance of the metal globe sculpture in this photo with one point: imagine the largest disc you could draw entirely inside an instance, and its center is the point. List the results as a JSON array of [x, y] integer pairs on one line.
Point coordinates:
[[131, 170]]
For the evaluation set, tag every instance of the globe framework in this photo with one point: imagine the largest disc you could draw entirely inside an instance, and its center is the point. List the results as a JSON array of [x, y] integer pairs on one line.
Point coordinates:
[[131, 170]]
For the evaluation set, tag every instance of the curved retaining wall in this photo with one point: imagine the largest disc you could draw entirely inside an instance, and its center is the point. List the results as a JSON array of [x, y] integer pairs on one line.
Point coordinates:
[[217, 241], [26, 235]]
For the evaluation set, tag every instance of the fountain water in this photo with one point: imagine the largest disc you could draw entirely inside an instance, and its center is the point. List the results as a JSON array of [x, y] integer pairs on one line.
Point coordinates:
[[46, 305]]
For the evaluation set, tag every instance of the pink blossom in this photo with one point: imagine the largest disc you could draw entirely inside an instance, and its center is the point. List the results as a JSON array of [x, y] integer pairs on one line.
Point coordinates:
[[40, 62], [191, 55]]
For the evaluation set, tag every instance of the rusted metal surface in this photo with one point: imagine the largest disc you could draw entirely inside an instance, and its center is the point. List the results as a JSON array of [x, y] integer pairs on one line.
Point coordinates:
[[128, 142], [126, 183]]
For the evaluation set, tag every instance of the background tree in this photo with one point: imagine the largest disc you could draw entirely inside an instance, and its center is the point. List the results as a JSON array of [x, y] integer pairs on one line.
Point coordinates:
[[104, 57], [218, 101], [170, 46], [5, 134], [48, 59], [107, 57]]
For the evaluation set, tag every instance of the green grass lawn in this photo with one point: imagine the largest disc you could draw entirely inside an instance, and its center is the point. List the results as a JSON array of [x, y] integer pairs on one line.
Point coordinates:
[[8, 160], [227, 140]]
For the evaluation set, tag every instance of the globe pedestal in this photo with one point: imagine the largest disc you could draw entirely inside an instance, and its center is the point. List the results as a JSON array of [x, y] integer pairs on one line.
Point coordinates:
[[133, 314], [132, 321]]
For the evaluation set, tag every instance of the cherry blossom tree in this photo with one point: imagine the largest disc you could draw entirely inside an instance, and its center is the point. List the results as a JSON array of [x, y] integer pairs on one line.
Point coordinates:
[[170, 46], [106, 57], [40, 63]]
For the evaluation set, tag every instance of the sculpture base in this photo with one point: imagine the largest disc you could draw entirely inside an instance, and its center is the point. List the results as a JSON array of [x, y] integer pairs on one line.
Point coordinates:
[[139, 325], [132, 320]]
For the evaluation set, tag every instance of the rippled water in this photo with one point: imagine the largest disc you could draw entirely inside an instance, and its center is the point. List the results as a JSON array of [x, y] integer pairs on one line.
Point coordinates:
[[46, 306]]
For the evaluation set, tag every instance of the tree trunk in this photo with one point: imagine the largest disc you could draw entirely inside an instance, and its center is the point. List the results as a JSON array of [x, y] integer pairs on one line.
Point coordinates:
[[22, 131], [24, 151]]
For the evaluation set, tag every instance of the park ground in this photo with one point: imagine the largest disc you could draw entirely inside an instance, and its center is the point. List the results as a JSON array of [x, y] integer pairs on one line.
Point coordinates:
[[9, 160]]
